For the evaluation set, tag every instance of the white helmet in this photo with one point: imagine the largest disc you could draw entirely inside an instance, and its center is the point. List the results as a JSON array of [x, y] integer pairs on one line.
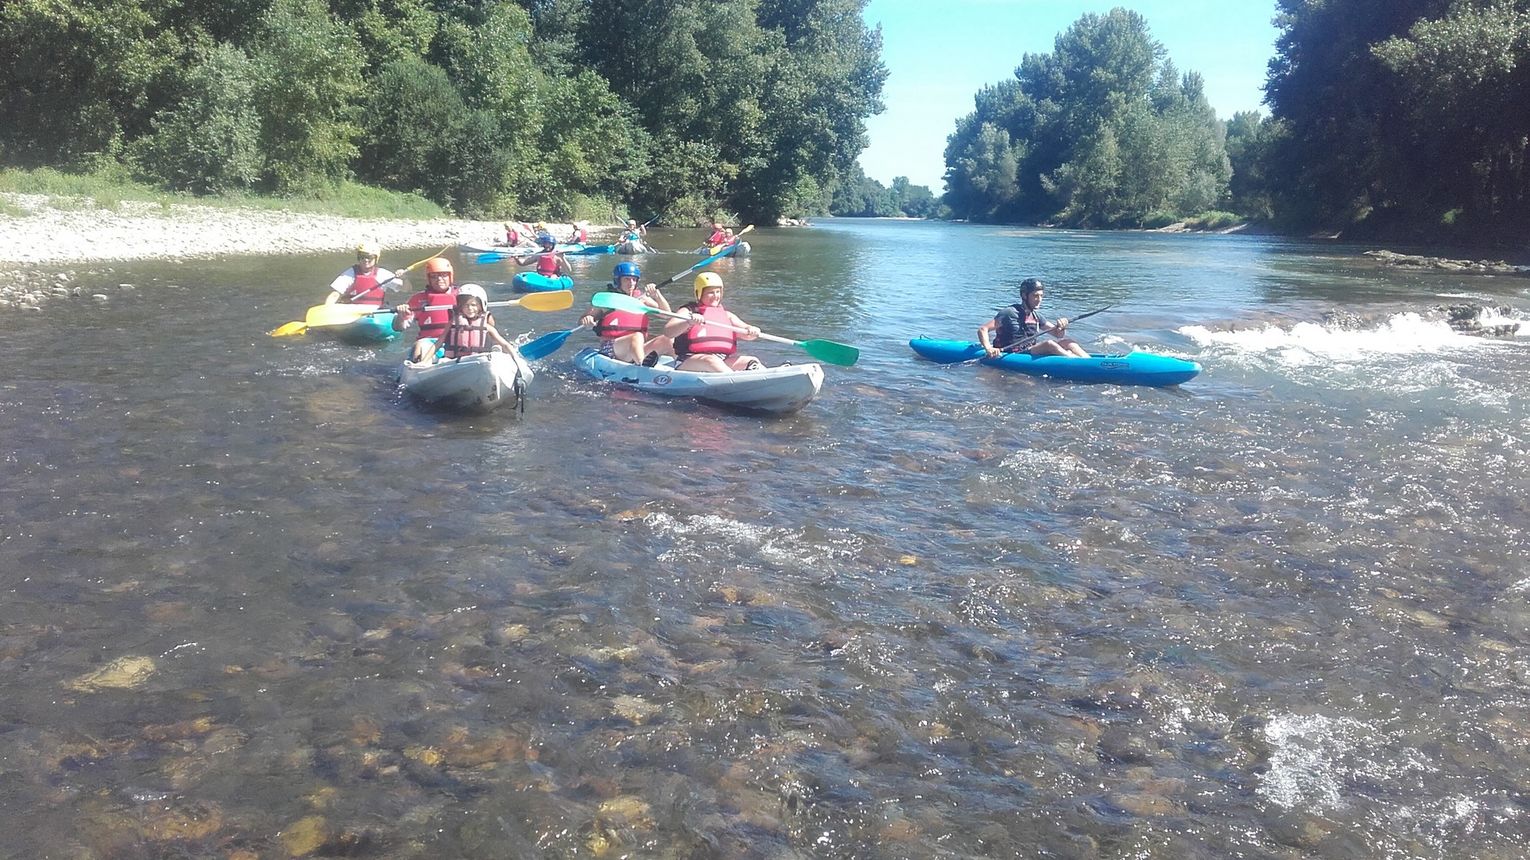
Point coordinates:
[[473, 290]]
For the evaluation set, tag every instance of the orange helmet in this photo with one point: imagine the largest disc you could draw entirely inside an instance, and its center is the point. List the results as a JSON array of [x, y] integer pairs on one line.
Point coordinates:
[[438, 264], [706, 281]]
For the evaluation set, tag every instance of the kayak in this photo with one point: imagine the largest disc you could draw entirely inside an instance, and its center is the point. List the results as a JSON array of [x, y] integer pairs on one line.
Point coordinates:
[[531, 282], [769, 389], [632, 247], [474, 383], [586, 250], [737, 249], [368, 330], [1132, 368]]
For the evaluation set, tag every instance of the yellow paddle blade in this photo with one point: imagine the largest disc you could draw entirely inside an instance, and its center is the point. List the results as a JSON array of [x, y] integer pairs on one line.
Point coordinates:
[[323, 315], [555, 300], [289, 329]]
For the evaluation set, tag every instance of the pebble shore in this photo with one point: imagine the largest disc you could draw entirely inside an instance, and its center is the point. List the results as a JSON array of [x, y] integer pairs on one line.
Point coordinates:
[[38, 247]]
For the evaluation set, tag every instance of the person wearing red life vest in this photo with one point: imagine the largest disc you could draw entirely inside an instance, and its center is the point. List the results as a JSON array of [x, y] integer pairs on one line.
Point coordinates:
[[470, 328], [718, 236], [624, 334], [701, 343], [364, 283], [512, 235], [431, 308], [549, 263]]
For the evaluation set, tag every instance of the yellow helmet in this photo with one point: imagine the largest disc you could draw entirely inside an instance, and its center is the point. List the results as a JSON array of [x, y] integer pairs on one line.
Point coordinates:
[[367, 249], [707, 280]]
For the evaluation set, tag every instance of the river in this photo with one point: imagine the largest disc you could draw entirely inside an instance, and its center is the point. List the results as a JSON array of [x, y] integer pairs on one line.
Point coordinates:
[[257, 604]]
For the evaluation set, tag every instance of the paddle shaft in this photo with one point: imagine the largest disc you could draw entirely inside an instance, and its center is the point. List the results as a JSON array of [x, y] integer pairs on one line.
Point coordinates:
[[1026, 342]]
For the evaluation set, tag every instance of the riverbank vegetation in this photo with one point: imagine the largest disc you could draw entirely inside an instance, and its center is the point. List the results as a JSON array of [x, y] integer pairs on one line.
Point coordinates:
[[1396, 118], [541, 108]]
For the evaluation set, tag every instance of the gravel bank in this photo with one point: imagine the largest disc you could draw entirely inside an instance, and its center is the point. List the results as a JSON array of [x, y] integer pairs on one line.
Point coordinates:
[[36, 245]]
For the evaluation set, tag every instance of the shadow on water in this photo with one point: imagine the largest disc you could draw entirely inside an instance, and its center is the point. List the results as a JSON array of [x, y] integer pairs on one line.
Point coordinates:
[[258, 604]]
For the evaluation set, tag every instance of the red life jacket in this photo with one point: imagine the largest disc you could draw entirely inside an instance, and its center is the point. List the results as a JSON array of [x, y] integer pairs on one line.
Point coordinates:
[[465, 337], [717, 238], [581, 236], [365, 290], [433, 323], [512, 238], [547, 265], [617, 324], [706, 337]]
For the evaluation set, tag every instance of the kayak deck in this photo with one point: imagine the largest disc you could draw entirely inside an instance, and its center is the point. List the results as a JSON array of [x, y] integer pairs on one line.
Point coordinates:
[[1132, 368], [771, 389], [477, 383]]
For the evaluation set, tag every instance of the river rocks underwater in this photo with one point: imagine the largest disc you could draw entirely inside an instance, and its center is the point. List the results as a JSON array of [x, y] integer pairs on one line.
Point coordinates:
[[257, 604]]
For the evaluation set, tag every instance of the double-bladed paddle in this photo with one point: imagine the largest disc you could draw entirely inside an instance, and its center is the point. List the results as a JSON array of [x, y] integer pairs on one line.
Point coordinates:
[[829, 351], [328, 315], [308, 322], [1024, 343]]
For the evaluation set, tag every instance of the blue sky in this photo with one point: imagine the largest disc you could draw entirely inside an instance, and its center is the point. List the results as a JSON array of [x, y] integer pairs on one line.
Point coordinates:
[[938, 54]]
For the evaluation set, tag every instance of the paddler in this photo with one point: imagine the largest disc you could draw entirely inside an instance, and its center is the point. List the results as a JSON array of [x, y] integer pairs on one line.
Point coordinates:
[[1023, 322], [363, 283], [718, 236], [471, 329], [624, 334], [432, 305], [549, 263], [700, 343]]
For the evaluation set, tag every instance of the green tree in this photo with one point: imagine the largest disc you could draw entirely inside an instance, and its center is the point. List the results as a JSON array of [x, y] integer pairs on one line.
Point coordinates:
[[208, 142], [308, 73]]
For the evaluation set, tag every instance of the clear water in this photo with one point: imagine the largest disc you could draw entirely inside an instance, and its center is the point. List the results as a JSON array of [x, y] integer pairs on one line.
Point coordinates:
[[941, 612]]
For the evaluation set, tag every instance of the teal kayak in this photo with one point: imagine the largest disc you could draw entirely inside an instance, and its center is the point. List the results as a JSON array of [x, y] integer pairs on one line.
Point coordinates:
[[1132, 368], [531, 282], [370, 329]]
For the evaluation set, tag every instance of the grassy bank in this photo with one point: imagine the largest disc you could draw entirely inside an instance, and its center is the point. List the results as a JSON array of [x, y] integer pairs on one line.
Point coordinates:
[[108, 190]]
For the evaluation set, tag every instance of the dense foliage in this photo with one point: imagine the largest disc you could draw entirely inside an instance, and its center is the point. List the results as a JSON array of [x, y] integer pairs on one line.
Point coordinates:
[[858, 195], [1401, 114], [1103, 131], [532, 108]]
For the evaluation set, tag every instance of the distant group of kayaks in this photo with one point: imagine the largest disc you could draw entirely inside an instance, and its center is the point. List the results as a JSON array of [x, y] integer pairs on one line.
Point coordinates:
[[489, 377]]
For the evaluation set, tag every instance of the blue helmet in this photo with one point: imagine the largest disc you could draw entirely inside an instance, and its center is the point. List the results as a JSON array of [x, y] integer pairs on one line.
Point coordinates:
[[626, 269], [546, 240]]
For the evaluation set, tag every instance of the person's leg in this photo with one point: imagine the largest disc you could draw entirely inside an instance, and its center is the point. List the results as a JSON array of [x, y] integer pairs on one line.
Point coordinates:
[[745, 362], [628, 348], [704, 364], [1046, 348]]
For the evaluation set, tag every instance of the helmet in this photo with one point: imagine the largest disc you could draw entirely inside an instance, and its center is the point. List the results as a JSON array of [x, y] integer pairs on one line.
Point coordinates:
[[626, 269], [546, 240], [367, 249], [1030, 285], [436, 265], [473, 290], [707, 280]]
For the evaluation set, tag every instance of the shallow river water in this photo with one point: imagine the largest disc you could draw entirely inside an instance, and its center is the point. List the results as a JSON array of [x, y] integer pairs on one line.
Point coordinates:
[[254, 603]]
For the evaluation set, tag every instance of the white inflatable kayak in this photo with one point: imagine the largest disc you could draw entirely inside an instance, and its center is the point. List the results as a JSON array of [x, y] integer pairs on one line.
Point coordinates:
[[769, 389], [475, 383]]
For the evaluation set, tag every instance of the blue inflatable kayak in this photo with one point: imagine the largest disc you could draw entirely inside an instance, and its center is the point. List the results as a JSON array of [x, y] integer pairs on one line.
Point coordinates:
[[531, 282], [1132, 368], [369, 330]]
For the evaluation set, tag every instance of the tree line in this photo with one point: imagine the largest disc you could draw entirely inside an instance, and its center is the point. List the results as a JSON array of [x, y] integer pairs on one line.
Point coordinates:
[[488, 107], [1387, 116]]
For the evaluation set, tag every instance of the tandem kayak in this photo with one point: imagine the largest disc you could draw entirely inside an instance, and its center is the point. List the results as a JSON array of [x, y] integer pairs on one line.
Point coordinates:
[[531, 282], [366, 331], [632, 247], [1132, 368], [474, 383], [769, 389], [737, 249], [586, 250]]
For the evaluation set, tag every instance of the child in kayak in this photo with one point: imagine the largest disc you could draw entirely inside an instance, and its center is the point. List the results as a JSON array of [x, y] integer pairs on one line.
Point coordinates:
[[1022, 325], [364, 283], [471, 329], [623, 333], [432, 306], [549, 263], [700, 343]]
